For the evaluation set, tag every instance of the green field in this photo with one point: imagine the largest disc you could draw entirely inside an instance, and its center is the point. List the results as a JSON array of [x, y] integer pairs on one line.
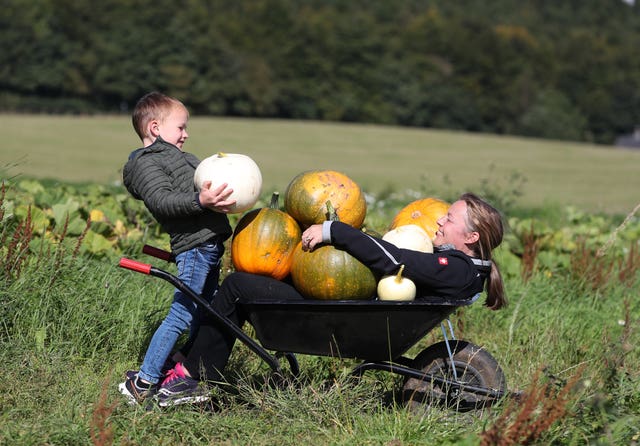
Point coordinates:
[[93, 149], [72, 322]]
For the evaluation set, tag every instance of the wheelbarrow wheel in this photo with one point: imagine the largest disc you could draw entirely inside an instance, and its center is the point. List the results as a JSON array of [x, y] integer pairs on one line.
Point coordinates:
[[480, 380]]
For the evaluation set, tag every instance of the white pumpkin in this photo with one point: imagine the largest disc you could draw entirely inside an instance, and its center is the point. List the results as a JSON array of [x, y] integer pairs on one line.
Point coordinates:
[[239, 171], [410, 237], [396, 287]]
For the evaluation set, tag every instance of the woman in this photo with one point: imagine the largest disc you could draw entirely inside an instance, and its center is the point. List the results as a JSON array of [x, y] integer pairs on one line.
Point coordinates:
[[460, 267]]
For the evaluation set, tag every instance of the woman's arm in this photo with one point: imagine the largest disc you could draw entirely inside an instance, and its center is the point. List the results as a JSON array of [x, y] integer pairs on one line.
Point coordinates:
[[448, 273]]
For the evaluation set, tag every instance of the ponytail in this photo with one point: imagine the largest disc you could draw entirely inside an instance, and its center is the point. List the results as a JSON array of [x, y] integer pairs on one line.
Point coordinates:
[[494, 287], [487, 222]]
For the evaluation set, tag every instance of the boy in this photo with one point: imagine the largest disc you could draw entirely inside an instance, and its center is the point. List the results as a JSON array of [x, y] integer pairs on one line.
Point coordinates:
[[161, 175]]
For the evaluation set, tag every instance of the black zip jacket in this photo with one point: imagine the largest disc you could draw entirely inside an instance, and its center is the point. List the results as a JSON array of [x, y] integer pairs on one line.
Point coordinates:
[[446, 273]]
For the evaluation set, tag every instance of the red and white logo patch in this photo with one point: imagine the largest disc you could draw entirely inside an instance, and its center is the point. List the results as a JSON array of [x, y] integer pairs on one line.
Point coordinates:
[[443, 261]]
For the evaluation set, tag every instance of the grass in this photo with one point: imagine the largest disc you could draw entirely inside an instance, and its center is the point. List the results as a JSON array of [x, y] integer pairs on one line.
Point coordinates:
[[379, 158], [70, 326], [65, 347]]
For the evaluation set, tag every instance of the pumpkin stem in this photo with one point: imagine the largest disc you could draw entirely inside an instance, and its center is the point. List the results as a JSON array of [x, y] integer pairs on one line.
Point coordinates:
[[274, 200], [331, 212], [398, 278], [222, 154]]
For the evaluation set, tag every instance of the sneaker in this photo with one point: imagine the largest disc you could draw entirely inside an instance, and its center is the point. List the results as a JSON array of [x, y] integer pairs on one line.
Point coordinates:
[[168, 365], [137, 391], [178, 388]]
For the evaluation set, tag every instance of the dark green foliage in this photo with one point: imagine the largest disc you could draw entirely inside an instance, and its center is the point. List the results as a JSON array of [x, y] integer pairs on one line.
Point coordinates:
[[565, 70]]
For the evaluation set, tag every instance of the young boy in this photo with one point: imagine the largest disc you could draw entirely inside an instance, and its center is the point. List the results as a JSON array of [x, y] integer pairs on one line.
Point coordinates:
[[161, 175]]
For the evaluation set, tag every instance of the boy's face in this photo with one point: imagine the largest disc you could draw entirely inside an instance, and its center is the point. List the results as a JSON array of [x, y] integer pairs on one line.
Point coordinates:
[[173, 128]]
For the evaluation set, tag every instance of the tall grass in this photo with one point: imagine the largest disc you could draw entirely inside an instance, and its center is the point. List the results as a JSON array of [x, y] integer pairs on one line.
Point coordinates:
[[72, 325]]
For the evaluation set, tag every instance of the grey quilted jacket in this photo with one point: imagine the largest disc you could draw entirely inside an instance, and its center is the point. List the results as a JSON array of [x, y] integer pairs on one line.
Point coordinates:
[[161, 175]]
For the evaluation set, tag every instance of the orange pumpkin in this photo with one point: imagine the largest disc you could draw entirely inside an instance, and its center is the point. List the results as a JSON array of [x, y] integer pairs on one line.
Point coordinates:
[[264, 240], [308, 192], [424, 213], [331, 273]]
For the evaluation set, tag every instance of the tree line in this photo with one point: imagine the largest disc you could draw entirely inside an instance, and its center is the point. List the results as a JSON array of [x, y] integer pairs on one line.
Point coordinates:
[[567, 70]]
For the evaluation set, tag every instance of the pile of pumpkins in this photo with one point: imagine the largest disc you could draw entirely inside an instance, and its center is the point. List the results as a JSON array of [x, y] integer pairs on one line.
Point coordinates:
[[267, 241]]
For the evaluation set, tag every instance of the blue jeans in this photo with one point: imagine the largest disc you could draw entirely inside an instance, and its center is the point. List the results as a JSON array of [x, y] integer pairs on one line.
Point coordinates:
[[199, 268]]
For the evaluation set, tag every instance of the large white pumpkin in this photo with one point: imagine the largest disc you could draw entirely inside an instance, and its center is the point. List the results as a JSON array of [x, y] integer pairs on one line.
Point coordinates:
[[410, 237], [239, 171]]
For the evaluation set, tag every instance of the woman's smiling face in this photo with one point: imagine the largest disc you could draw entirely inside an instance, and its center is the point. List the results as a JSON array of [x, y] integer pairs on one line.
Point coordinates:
[[453, 230]]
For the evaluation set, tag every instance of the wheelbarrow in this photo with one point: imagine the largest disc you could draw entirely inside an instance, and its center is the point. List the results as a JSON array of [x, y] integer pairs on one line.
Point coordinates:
[[376, 333]]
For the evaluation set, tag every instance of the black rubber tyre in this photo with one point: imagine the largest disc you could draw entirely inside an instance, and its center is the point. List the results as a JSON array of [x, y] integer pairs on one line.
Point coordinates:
[[474, 367]]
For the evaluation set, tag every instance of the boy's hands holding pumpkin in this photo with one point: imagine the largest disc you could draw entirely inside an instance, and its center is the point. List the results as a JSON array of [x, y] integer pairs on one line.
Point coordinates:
[[216, 199]]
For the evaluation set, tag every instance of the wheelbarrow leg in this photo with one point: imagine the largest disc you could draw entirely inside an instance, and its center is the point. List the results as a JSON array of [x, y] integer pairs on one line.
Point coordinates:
[[446, 341], [293, 362]]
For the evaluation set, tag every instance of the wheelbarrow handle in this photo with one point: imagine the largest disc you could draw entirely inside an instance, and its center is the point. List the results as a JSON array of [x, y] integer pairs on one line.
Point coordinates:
[[134, 265], [158, 253], [225, 322]]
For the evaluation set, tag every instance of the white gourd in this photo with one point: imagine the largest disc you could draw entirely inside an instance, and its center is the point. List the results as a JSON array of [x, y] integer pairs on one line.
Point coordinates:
[[396, 287], [239, 171], [410, 237]]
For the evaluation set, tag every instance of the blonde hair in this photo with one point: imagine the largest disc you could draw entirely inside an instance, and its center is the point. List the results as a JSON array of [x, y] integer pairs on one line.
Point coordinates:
[[487, 222], [152, 106]]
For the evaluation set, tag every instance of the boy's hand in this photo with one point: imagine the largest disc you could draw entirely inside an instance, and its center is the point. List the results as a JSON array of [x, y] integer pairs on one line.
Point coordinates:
[[216, 199]]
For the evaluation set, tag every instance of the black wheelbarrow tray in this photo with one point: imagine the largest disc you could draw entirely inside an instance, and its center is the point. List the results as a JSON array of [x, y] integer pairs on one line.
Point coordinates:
[[378, 333]]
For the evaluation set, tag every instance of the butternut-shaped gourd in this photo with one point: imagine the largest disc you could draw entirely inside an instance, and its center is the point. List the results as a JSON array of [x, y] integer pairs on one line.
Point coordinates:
[[396, 287]]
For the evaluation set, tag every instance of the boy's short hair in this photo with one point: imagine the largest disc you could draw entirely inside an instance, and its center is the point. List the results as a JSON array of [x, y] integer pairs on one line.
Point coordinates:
[[152, 106]]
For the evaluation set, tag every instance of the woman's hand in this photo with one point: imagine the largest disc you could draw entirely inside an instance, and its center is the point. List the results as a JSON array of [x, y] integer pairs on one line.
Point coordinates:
[[311, 237]]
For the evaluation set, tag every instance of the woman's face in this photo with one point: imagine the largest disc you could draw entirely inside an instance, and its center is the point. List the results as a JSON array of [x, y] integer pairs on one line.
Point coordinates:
[[452, 228]]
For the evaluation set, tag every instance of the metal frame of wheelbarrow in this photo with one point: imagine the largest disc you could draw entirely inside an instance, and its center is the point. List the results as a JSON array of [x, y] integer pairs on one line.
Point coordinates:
[[309, 316]]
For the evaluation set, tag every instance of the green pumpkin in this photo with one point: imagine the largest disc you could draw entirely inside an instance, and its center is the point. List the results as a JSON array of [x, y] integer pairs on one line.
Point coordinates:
[[330, 273]]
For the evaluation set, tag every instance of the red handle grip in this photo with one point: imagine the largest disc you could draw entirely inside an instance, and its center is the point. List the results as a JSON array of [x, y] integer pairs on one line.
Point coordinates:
[[133, 265], [157, 252]]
